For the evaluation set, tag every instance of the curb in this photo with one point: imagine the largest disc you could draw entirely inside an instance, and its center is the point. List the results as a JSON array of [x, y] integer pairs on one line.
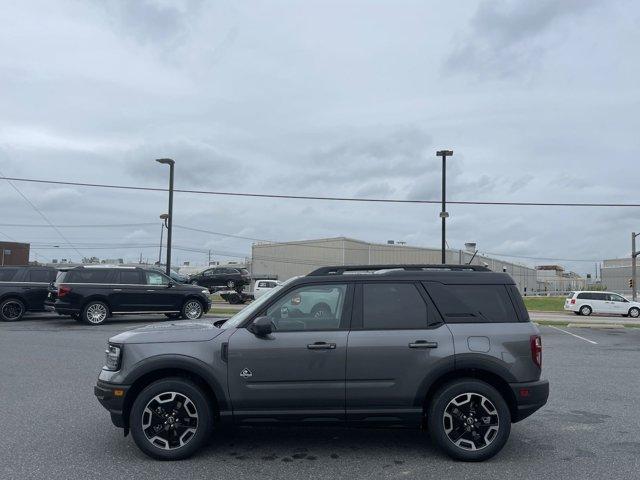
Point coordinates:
[[595, 325]]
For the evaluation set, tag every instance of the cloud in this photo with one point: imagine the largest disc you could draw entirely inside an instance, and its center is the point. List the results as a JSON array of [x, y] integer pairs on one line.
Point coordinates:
[[197, 164], [506, 37]]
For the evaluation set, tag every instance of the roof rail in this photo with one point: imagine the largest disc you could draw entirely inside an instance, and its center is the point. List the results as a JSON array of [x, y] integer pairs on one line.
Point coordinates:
[[339, 270]]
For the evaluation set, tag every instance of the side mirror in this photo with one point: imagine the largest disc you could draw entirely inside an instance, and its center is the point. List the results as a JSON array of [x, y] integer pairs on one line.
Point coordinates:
[[171, 284], [261, 327]]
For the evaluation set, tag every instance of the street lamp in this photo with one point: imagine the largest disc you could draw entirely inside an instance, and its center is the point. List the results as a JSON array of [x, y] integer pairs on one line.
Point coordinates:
[[169, 219], [634, 255], [444, 214]]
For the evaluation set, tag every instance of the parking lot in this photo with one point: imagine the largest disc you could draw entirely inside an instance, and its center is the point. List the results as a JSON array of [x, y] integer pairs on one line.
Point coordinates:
[[54, 427]]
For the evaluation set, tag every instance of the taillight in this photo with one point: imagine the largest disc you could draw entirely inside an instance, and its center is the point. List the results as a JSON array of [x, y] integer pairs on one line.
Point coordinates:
[[573, 301], [536, 350], [62, 291]]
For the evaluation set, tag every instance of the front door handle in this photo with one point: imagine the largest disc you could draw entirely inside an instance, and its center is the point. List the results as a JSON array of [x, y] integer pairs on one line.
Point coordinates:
[[117, 289], [423, 344], [321, 346]]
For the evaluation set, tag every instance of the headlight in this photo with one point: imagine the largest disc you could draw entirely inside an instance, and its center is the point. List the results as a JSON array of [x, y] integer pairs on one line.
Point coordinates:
[[206, 292], [113, 355]]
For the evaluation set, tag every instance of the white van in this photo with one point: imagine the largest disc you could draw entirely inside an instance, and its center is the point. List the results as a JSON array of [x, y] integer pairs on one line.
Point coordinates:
[[586, 303]]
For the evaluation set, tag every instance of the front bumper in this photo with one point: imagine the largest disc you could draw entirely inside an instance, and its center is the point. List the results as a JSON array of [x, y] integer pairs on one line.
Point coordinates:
[[530, 396], [112, 396]]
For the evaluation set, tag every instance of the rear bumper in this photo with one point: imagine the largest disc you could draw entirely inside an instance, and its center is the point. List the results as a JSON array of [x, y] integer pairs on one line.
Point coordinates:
[[106, 393], [530, 396]]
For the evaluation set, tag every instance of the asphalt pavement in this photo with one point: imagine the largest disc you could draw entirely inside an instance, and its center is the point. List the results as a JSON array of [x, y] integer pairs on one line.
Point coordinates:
[[53, 427]]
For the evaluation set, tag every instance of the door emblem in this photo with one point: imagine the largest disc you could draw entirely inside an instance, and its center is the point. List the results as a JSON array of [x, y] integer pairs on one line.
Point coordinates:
[[246, 373]]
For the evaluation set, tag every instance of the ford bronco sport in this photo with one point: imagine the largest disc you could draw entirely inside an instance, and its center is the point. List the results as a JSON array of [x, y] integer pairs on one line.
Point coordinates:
[[449, 348]]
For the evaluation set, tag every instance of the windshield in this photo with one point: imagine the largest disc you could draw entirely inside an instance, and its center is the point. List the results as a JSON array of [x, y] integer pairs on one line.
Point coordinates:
[[255, 306]]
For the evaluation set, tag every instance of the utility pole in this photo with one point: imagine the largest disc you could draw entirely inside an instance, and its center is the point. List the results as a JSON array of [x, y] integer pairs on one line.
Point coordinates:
[[634, 255], [209, 262], [444, 214]]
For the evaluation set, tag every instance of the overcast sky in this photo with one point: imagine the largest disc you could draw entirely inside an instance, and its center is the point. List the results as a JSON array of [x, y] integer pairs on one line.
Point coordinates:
[[539, 100]]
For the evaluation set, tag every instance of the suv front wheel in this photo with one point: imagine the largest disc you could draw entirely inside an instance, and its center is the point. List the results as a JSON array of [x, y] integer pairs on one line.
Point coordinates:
[[192, 309], [170, 419], [469, 420]]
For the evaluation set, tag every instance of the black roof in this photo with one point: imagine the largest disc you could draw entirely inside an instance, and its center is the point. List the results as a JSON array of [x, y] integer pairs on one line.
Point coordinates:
[[448, 274], [341, 269]]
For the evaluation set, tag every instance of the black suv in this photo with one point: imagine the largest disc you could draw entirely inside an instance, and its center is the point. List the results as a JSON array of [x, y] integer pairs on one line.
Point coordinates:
[[92, 294], [222, 277], [23, 289]]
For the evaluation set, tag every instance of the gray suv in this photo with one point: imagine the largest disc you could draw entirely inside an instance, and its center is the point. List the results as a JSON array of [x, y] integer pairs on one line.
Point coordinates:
[[449, 348]]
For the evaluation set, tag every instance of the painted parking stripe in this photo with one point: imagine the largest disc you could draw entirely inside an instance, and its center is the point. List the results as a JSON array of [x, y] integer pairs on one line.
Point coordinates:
[[573, 335]]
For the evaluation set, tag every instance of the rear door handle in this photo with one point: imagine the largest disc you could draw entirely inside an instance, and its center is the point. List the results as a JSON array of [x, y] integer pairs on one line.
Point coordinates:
[[117, 289], [321, 346], [423, 344]]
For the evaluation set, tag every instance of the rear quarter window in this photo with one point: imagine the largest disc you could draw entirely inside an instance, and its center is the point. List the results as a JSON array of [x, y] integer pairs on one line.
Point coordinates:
[[88, 276], [473, 303], [7, 274]]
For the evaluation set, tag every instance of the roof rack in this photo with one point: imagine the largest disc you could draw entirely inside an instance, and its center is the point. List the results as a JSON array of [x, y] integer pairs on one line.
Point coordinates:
[[339, 270]]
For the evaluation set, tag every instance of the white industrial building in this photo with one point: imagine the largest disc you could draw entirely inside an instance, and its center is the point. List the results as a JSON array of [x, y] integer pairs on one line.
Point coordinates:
[[288, 259]]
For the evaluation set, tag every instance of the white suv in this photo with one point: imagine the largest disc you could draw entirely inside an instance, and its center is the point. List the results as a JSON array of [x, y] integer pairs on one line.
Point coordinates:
[[586, 303]]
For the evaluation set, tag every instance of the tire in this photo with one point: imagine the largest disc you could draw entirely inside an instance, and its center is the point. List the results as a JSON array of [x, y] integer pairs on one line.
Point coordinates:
[[585, 310], [456, 398], [95, 313], [634, 312], [12, 310], [321, 310], [165, 436], [192, 309], [173, 316]]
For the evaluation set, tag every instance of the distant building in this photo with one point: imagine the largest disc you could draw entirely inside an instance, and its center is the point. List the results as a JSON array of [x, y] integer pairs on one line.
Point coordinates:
[[290, 259], [554, 280], [14, 253]]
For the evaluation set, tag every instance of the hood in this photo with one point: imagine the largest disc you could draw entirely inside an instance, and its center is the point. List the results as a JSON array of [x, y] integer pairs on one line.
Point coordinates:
[[165, 332]]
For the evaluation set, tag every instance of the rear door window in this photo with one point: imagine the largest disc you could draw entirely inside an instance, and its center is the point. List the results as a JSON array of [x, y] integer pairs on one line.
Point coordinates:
[[393, 306], [7, 274], [129, 277], [473, 303]]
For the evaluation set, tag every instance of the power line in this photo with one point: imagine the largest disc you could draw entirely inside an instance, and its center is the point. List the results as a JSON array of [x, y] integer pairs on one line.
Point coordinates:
[[310, 197], [46, 219], [105, 225]]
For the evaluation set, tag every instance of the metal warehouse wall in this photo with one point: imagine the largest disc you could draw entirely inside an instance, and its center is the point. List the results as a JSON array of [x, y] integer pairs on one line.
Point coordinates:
[[286, 260], [616, 279]]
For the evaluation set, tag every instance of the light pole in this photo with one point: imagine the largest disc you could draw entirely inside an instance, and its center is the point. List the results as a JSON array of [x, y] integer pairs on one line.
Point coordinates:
[[634, 256], [171, 163], [444, 214], [163, 225]]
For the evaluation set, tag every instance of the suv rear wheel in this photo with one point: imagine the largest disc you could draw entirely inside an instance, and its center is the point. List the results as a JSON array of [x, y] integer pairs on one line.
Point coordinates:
[[469, 420], [585, 310], [11, 310], [95, 313], [192, 309], [170, 419], [634, 312]]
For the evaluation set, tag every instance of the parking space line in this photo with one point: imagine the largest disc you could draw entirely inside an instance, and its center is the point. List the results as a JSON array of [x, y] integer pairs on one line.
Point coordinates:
[[573, 335]]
